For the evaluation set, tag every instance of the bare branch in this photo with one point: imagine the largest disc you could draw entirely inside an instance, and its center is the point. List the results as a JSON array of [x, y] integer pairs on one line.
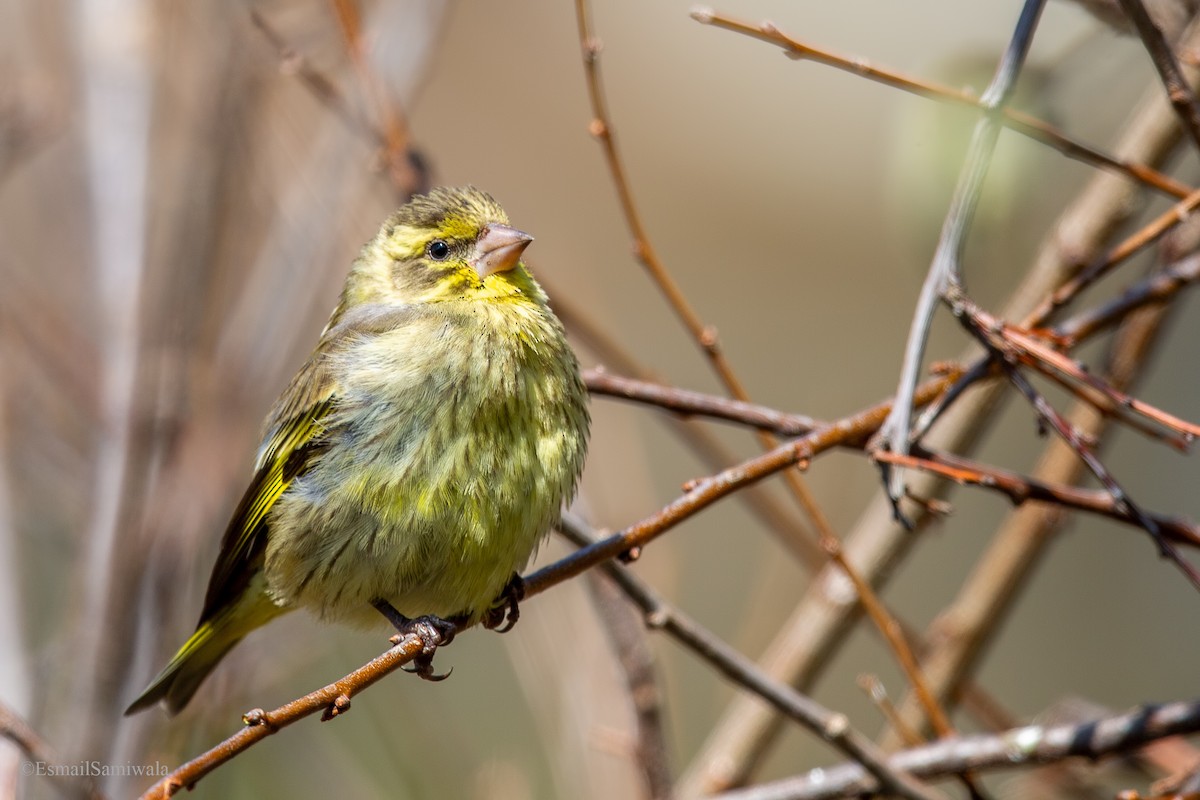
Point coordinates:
[[1025, 746]]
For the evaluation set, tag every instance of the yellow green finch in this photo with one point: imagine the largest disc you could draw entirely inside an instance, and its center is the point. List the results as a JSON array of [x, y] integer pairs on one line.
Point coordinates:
[[420, 455]]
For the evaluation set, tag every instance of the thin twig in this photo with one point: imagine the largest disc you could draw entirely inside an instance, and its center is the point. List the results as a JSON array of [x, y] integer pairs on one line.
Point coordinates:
[[806, 644], [959, 635], [687, 402], [1021, 489], [704, 335], [710, 451], [1011, 118], [1054, 361], [1178, 91], [323, 89], [1157, 288], [967, 314], [1132, 244], [395, 127], [1025, 746]]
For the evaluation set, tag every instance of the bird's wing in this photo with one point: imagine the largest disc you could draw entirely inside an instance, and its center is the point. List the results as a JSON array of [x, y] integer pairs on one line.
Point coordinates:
[[295, 437]]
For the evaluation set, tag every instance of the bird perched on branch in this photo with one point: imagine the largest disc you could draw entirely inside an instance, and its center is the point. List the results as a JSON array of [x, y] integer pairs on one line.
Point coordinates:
[[420, 455]]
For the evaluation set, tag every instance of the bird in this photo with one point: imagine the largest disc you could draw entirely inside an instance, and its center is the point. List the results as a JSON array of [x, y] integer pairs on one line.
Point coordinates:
[[417, 459]]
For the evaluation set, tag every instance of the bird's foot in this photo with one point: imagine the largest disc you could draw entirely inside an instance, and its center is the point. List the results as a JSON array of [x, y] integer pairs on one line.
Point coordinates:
[[505, 611], [432, 631]]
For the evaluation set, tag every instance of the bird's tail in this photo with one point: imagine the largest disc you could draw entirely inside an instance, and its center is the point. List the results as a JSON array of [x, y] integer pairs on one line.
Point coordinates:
[[200, 654]]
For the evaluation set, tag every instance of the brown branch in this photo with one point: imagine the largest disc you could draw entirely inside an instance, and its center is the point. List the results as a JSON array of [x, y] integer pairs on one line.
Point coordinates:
[[852, 431], [323, 89], [1178, 91], [687, 402], [395, 127], [17, 730], [711, 452], [1145, 236], [1157, 288], [1021, 489], [958, 636], [705, 336], [1013, 119], [970, 316], [807, 643], [1024, 746], [1034, 351], [633, 655], [332, 700]]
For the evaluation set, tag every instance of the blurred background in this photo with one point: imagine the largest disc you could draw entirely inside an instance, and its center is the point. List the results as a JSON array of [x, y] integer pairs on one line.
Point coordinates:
[[178, 208]]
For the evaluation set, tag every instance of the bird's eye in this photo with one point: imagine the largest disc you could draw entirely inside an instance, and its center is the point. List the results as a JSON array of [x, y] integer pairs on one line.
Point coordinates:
[[438, 250]]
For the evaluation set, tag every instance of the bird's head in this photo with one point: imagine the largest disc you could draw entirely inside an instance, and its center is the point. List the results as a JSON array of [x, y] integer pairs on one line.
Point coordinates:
[[449, 244]]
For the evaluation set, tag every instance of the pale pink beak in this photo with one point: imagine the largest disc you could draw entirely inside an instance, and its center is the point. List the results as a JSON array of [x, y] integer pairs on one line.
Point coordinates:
[[498, 249]]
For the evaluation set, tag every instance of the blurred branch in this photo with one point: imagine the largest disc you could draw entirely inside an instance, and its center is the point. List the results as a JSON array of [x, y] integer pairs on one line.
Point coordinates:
[[628, 637], [392, 139], [323, 89], [1011, 118], [1020, 747], [396, 149], [832, 727], [16, 730], [1178, 91]]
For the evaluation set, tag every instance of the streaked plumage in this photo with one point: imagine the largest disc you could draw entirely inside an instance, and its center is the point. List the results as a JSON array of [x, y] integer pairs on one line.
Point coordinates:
[[421, 453]]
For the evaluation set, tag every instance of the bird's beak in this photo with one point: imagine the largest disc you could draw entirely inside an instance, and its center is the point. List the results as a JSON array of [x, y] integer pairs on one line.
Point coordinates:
[[498, 249]]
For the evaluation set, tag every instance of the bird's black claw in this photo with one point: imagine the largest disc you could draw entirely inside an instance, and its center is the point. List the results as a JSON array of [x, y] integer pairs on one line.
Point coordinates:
[[432, 631], [422, 667], [505, 612]]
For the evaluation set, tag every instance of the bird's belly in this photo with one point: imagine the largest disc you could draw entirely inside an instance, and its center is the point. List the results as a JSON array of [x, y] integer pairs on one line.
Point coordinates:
[[433, 517]]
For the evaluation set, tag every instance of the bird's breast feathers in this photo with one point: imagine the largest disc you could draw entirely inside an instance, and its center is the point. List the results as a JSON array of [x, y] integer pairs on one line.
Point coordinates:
[[455, 439]]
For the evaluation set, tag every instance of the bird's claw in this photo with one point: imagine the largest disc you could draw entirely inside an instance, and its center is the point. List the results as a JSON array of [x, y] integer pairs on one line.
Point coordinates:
[[431, 630], [503, 615]]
